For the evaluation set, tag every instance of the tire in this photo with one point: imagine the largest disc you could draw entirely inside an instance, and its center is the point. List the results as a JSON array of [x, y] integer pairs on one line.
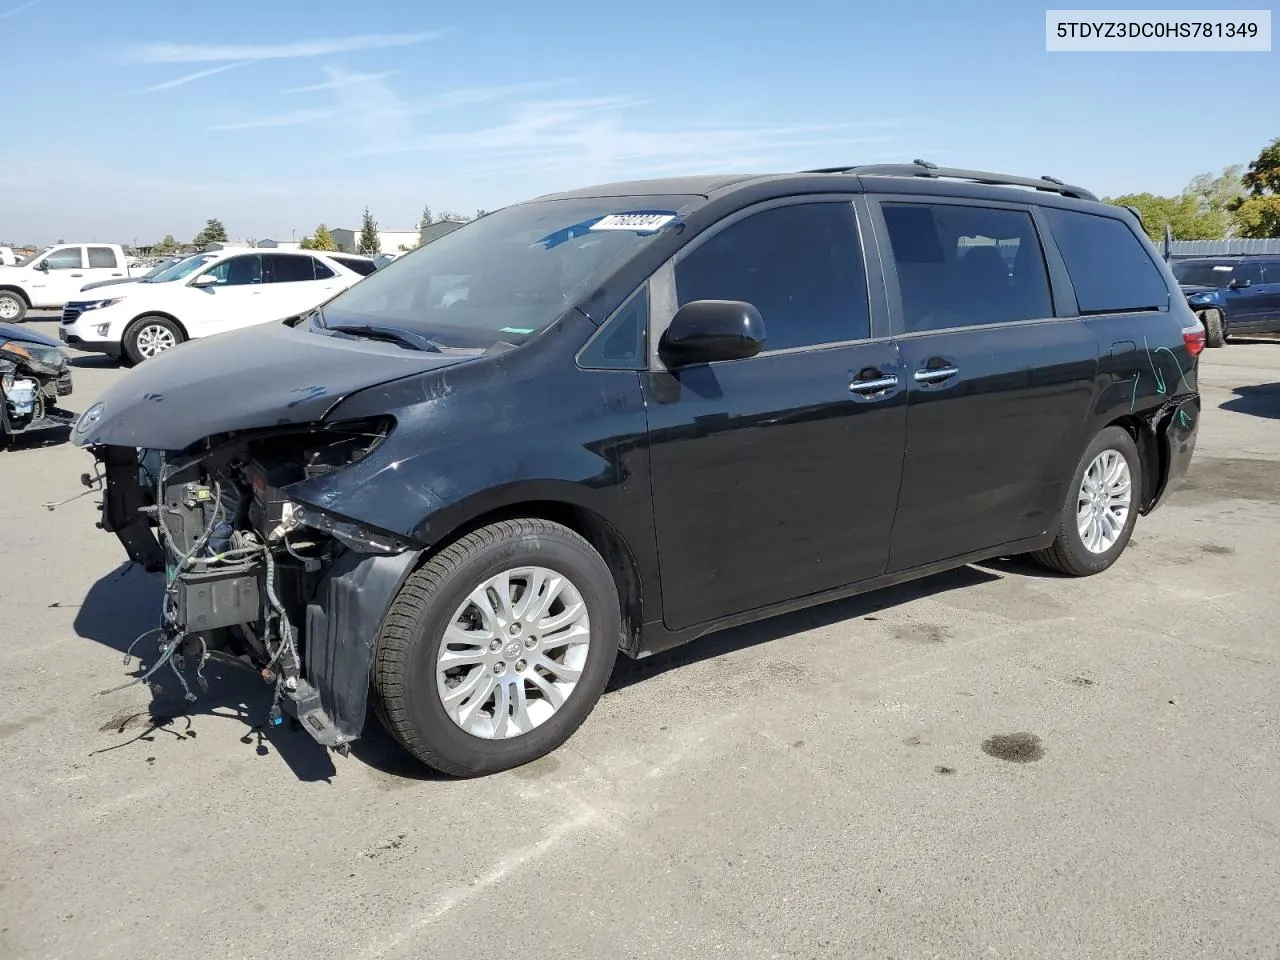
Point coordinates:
[[1214, 329], [409, 687], [1069, 553], [13, 308], [148, 335]]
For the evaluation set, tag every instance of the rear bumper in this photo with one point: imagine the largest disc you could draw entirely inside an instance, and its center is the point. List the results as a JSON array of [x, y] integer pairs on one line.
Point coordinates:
[[1176, 424]]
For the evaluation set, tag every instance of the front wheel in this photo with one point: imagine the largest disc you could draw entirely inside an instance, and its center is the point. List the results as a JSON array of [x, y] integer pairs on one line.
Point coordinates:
[[150, 336], [1215, 334], [497, 649], [1101, 507]]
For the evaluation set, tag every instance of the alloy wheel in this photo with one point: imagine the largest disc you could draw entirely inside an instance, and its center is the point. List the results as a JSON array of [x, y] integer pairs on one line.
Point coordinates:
[[1104, 501]]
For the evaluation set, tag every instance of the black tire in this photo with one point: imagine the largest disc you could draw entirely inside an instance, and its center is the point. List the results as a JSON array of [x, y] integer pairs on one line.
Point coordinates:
[[1068, 553], [1214, 333], [13, 301], [405, 691], [132, 351]]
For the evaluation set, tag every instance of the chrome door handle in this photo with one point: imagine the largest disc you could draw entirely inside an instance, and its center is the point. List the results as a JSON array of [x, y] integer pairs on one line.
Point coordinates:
[[873, 386], [935, 374]]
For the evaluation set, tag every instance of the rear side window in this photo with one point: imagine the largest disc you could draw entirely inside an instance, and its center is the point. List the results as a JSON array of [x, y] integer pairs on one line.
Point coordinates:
[[1109, 267], [961, 266], [362, 267], [102, 257], [799, 265], [281, 268]]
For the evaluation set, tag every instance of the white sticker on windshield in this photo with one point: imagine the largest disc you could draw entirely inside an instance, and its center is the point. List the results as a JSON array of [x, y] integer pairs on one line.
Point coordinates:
[[634, 221], [1227, 268]]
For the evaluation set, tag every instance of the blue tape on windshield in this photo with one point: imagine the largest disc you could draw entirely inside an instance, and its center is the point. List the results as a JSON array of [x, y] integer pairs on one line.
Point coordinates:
[[582, 228]]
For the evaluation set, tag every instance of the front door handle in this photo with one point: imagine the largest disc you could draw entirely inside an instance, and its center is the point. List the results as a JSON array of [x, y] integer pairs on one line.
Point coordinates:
[[77, 274], [935, 374], [873, 385]]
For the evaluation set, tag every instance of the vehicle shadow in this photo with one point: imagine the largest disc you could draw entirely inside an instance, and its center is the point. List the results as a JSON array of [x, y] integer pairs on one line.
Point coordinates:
[[118, 612], [628, 671], [48, 437], [93, 361], [1262, 400]]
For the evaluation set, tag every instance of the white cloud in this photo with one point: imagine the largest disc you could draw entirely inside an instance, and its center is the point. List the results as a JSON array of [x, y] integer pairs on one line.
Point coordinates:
[[209, 53], [337, 82], [19, 8], [291, 119], [198, 75]]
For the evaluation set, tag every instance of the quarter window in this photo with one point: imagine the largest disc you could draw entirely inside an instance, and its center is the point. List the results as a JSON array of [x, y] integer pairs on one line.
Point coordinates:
[[620, 344], [322, 271], [800, 265], [238, 271], [67, 258], [102, 257], [961, 266], [1110, 269]]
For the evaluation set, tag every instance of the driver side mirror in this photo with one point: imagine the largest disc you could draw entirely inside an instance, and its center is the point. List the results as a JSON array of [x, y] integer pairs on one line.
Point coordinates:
[[205, 280], [43, 266], [1240, 284], [705, 331]]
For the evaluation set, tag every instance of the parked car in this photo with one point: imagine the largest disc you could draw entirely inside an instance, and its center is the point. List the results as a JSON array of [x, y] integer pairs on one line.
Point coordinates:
[[7, 257], [139, 272], [51, 277], [229, 289], [1232, 294], [626, 416]]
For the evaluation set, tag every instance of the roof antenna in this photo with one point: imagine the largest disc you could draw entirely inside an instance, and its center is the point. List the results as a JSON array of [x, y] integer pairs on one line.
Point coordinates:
[[926, 164]]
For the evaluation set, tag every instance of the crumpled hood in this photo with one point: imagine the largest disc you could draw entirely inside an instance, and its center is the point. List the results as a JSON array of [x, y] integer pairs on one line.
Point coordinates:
[[1191, 289], [9, 331], [262, 376]]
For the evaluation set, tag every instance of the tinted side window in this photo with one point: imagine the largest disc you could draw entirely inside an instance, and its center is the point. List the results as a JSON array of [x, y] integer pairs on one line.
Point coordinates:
[[281, 268], [620, 344], [238, 271], [960, 265], [362, 267], [102, 257], [1109, 268], [1250, 271], [1271, 271], [66, 258], [800, 265], [322, 271]]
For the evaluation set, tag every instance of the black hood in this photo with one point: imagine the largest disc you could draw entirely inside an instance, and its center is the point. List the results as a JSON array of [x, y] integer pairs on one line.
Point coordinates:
[[9, 331], [263, 376]]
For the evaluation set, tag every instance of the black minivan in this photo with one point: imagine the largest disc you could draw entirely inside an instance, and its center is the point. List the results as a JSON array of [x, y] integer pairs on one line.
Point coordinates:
[[622, 417]]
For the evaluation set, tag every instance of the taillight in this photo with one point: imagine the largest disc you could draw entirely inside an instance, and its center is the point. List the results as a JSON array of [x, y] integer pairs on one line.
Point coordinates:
[[1194, 339]]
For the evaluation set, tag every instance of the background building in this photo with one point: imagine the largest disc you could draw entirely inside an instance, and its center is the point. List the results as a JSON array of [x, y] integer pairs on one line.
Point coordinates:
[[390, 240]]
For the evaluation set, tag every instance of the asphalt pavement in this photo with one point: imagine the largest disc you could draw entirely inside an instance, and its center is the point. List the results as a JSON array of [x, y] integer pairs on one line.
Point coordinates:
[[994, 762]]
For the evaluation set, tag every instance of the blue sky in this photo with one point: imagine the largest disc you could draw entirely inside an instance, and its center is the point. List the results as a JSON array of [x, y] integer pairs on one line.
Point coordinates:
[[127, 121]]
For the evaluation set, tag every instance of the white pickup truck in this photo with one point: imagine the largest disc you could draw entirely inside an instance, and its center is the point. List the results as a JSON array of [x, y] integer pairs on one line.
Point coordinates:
[[51, 277]]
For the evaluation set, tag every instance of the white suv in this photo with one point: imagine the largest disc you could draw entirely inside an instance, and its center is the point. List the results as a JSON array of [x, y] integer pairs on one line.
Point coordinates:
[[234, 288]]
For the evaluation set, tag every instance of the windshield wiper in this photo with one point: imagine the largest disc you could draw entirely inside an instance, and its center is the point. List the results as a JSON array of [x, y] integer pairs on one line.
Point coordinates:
[[404, 338]]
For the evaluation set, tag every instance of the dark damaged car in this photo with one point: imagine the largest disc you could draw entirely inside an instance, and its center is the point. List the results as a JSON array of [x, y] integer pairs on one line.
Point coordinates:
[[623, 417]]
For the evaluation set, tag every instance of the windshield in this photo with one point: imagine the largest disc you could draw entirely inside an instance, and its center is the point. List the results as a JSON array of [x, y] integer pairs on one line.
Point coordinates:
[[1203, 274], [181, 269], [26, 260], [508, 275]]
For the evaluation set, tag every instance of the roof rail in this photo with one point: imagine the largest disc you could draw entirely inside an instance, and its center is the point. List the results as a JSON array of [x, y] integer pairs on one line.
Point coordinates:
[[922, 168]]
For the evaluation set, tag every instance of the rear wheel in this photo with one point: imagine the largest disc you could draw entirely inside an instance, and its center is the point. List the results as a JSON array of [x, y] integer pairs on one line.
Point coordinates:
[[150, 336], [1101, 507], [12, 307], [1214, 328], [497, 649]]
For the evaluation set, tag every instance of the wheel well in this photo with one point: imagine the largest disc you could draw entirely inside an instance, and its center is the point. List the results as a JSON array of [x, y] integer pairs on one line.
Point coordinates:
[[1154, 466], [595, 530], [19, 291], [156, 313]]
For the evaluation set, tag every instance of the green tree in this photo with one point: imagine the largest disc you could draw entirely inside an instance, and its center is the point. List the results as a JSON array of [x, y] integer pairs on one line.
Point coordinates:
[[1218, 193], [322, 239], [427, 218], [369, 242], [213, 232], [1258, 214], [306, 244], [481, 213], [1184, 214], [167, 245], [452, 217]]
